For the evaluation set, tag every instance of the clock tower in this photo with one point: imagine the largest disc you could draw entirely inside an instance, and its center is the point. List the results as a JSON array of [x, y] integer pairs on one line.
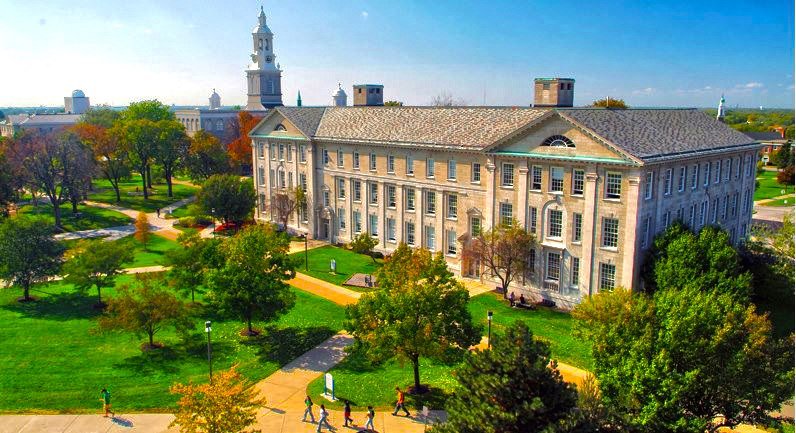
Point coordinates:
[[264, 78]]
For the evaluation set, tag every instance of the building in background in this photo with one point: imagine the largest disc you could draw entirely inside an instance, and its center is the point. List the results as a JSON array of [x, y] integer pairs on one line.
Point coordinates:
[[42, 123], [215, 101], [554, 92], [264, 76], [339, 98], [771, 141], [368, 95], [78, 103]]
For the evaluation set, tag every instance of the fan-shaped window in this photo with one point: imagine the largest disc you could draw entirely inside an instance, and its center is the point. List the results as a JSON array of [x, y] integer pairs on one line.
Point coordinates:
[[558, 141], [280, 127]]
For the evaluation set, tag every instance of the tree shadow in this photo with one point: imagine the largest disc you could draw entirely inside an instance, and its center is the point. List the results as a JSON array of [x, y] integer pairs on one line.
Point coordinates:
[[57, 306], [169, 359], [282, 345]]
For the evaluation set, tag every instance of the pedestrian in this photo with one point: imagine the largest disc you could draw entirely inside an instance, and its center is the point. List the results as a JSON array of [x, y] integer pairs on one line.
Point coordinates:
[[308, 410], [511, 299], [158, 211], [347, 414], [323, 419], [106, 402], [371, 415], [399, 404]]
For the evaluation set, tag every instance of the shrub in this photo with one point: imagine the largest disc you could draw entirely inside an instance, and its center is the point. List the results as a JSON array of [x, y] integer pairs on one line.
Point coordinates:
[[785, 177], [188, 221]]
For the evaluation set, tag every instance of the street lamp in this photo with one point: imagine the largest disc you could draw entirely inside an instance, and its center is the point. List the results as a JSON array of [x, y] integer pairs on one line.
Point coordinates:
[[209, 355], [213, 215], [306, 253], [489, 331]]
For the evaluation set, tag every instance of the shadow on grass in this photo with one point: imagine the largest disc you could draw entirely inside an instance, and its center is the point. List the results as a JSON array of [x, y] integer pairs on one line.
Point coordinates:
[[57, 306], [282, 345], [169, 359]]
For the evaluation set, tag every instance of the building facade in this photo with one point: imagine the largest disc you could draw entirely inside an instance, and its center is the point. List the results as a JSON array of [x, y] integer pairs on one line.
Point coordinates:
[[221, 123], [42, 123], [593, 185], [771, 141]]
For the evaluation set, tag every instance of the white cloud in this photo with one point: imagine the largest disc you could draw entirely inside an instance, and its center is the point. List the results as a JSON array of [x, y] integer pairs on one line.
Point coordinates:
[[750, 85], [645, 91], [364, 15]]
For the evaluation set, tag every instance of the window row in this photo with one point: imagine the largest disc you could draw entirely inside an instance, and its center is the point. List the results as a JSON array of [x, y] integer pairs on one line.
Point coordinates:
[[409, 166], [429, 240], [696, 174]]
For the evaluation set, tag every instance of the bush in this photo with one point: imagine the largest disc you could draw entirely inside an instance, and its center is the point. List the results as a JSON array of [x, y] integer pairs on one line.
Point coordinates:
[[785, 177], [759, 168], [188, 221]]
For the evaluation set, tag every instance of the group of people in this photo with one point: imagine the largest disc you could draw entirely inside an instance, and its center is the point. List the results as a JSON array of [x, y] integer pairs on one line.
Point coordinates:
[[513, 299], [323, 414]]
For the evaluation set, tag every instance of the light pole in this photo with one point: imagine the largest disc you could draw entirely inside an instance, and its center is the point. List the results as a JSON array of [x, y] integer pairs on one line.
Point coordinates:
[[209, 353], [213, 215], [306, 254], [489, 330]]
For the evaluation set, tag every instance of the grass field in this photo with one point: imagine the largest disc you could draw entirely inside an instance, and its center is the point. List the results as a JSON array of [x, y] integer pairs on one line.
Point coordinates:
[[89, 217], [154, 254], [769, 187], [348, 263], [781, 202], [53, 361], [134, 200]]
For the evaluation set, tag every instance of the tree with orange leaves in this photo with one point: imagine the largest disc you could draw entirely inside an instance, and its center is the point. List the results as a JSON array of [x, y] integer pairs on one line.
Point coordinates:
[[240, 150], [109, 155]]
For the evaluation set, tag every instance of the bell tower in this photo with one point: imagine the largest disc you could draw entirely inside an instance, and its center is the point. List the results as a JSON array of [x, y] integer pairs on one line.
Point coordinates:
[[264, 78]]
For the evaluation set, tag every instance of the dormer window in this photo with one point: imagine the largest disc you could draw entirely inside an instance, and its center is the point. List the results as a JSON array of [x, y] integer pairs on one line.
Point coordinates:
[[280, 127], [558, 141]]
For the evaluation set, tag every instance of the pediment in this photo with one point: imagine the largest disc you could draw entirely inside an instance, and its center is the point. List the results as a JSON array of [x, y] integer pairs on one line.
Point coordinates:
[[276, 125]]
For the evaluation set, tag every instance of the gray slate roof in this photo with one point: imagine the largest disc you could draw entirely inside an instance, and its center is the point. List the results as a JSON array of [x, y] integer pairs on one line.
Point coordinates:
[[764, 135], [646, 133], [306, 119], [48, 119]]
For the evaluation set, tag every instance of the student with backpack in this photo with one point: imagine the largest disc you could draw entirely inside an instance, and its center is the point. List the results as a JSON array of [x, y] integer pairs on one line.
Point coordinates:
[[371, 415], [308, 410], [324, 414]]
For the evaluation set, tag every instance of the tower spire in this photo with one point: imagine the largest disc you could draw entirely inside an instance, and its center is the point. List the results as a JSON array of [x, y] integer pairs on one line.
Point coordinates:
[[720, 111], [298, 100]]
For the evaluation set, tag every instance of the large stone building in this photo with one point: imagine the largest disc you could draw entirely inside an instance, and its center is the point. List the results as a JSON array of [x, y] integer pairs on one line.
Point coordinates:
[[42, 123], [593, 185], [215, 120]]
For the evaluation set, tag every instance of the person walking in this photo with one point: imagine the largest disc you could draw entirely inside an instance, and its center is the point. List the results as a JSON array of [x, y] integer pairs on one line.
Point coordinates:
[[158, 211], [324, 414], [308, 410], [347, 414], [106, 402], [371, 415], [399, 404]]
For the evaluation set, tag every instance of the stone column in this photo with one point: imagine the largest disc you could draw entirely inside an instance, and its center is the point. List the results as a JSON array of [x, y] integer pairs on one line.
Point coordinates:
[[628, 243], [522, 195], [489, 209], [382, 214], [589, 232], [420, 229], [399, 213]]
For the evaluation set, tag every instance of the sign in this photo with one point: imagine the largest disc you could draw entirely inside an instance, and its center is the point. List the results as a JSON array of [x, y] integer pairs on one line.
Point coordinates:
[[328, 385], [333, 266]]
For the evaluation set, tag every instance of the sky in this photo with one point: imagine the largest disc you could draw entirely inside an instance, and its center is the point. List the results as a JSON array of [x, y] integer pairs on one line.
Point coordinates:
[[672, 53]]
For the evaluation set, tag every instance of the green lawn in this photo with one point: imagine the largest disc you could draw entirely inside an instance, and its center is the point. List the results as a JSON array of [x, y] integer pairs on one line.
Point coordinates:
[[782, 201], [154, 254], [769, 187], [89, 217], [53, 361], [131, 199], [348, 263]]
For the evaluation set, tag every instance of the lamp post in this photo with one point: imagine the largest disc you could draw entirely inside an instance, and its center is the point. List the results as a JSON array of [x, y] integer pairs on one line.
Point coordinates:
[[213, 215], [306, 254], [209, 353], [489, 330]]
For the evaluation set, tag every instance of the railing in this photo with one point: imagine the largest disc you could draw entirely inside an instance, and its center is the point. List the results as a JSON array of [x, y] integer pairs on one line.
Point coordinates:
[[550, 285]]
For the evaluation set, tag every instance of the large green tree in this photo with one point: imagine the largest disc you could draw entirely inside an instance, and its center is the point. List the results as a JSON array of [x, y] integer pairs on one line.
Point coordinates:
[[7, 192], [28, 253], [96, 264], [251, 283], [512, 388], [420, 310], [679, 258], [228, 197], [784, 156], [206, 156], [110, 156], [170, 149], [685, 360], [190, 263]]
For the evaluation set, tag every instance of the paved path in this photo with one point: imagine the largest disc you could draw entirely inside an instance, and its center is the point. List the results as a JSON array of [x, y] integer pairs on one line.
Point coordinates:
[[159, 224]]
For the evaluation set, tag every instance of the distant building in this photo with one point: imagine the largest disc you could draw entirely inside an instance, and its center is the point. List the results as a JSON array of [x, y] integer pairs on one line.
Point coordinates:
[[339, 98], [215, 101], [264, 77], [43, 123], [78, 103], [772, 141], [368, 94], [553, 92], [221, 123]]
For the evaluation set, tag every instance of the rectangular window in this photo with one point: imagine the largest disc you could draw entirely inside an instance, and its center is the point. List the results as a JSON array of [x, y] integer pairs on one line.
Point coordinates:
[[727, 168], [326, 198], [272, 178], [737, 167], [556, 179], [715, 210], [410, 199], [453, 202], [607, 276], [475, 175], [577, 227], [451, 234], [716, 171], [725, 205], [390, 164], [747, 200], [372, 162], [290, 180], [694, 176], [692, 216], [734, 204], [356, 161], [703, 213], [282, 179], [260, 175], [645, 232], [451, 169], [429, 167], [289, 153], [667, 189], [706, 174], [391, 229], [373, 193], [613, 185], [410, 165], [555, 223], [475, 226], [357, 222], [575, 280], [410, 233], [340, 188], [302, 153], [534, 219], [373, 223], [357, 190], [303, 181], [507, 174], [506, 214], [340, 158], [272, 151], [553, 269], [341, 218], [430, 238], [262, 203], [610, 232], [577, 182], [743, 231], [281, 152], [747, 163], [681, 180], [391, 196], [536, 178], [431, 202], [666, 219], [648, 185], [532, 261], [260, 150], [325, 157]]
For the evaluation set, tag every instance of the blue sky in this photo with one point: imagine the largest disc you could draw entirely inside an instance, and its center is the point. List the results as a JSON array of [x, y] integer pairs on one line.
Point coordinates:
[[673, 53]]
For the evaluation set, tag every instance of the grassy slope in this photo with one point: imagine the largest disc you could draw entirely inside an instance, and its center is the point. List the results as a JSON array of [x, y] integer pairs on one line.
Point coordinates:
[[130, 199], [348, 263], [769, 187], [52, 360], [90, 217]]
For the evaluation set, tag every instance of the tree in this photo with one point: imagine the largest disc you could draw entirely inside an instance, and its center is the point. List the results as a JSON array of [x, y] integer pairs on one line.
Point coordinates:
[[138, 137], [513, 387], [287, 203], [145, 308], [109, 155], [96, 264], [446, 99], [393, 104], [142, 229], [784, 156], [609, 102], [102, 116], [505, 250], [229, 404], [786, 176], [28, 253], [420, 310], [232, 198], [151, 109], [679, 258], [685, 360], [240, 150], [170, 148], [364, 243], [251, 283], [189, 264], [7, 192], [206, 156], [81, 169]]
